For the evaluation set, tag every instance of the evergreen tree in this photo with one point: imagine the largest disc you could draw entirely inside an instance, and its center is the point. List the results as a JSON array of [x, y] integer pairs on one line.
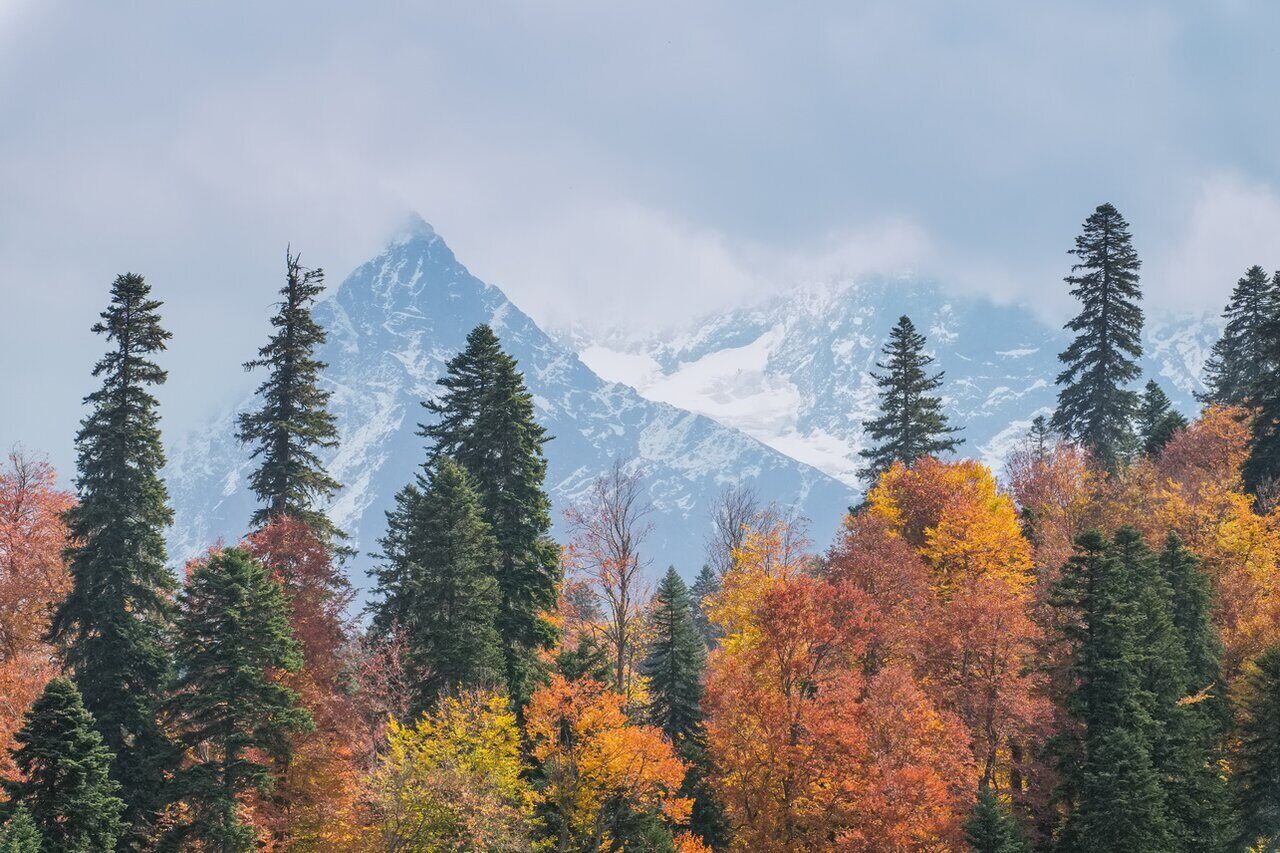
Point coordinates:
[[1094, 406], [232, 713], [1114, 787], [1195, 720], [991, 828], [1257, 760], [439, 586], [1040, 437], [112, 624], [674, 663], [1157, 420], [485, 422], [705, 585], [1241, 356], [19, 834], [911, 424], [1261, 470], [293, 422], [66, 788]]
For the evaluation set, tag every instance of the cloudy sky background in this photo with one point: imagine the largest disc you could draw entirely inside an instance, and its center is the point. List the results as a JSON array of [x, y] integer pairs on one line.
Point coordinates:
[[602, 161]]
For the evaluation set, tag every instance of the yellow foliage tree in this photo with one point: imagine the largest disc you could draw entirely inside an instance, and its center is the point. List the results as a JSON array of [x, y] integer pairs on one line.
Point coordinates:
[[453, 781]]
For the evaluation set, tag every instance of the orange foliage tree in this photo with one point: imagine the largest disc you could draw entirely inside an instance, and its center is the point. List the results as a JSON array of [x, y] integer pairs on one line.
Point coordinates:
[[33, 579], [594, 759], [315, 802]]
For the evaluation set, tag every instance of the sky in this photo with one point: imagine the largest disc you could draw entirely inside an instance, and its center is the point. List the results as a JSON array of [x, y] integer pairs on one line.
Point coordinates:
[[604, 163]]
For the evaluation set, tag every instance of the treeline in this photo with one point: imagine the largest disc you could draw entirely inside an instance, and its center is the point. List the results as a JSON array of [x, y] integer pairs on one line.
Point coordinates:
[[1082, 656]]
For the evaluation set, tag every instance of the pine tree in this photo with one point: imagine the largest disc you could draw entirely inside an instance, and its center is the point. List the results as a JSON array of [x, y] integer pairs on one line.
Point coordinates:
[[294, 421], [1257, 760], [1094, 406], [1240, 357], [1195, 721], [66, 786], [911, 424], [1115, 789], [1157, 420], [705, 585], [438, 585], [674, 665], [486, 424], [113, 622], [233, 715], [19, 834], [991, 828]]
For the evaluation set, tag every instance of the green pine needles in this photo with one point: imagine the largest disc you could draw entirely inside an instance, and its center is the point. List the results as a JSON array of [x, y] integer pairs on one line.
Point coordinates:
[[293, 422], [1095, 406], [114, 621], [911, 424]]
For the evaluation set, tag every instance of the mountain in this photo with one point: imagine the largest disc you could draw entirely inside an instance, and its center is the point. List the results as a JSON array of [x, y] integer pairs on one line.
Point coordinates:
[[794, 371], [392, 326]]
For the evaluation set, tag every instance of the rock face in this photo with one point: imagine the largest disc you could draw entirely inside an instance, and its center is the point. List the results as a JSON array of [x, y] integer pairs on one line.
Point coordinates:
[[392, 326], [794, 372]]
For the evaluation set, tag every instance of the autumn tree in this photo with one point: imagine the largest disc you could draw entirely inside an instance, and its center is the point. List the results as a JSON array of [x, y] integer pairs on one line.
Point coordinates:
[[112, 625], [33, 581], [438, 584], [911, 424], [733, 512], [609, 526], [453, 780], [485, 423], [1095, 406], [293, 422], [66, 786], [232, 713], [598, 769]]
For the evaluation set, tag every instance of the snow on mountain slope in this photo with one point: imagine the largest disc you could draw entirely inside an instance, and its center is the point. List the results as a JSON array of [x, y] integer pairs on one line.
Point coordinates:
[[794, 371], [392, 326]]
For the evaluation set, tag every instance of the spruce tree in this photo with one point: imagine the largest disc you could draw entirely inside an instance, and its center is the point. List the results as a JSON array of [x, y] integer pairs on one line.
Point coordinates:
[[1095, 407], [66, 788], [1256, 763], [1261, 469], [991, 828], [1195, 721], [1241, 356], [1114, 786], [19, 834], [1040, 437], [911, 424], [438, 585], [293, 422], [113, 622], [232, 713], [486, 423], [674, 665], [705, 585], [1157, 420]]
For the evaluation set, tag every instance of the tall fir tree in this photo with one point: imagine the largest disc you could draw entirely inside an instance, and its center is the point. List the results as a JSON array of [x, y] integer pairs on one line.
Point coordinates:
[[19, 833], [439, 587], [705, 585], [1040, 437], [112, 625], [486, 423], [66, 787], [1256, 762], [1156, 420], [1241, 356], [232, 713], [1261, 470], [911, 424], [1195, 716], [1095, 406], [674, 665], [992, 828], [294, 421], [1113, 786]]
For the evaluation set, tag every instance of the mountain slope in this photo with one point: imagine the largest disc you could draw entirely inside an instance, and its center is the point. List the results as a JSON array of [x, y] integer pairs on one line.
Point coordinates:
[[392, 326], [794, 371]]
